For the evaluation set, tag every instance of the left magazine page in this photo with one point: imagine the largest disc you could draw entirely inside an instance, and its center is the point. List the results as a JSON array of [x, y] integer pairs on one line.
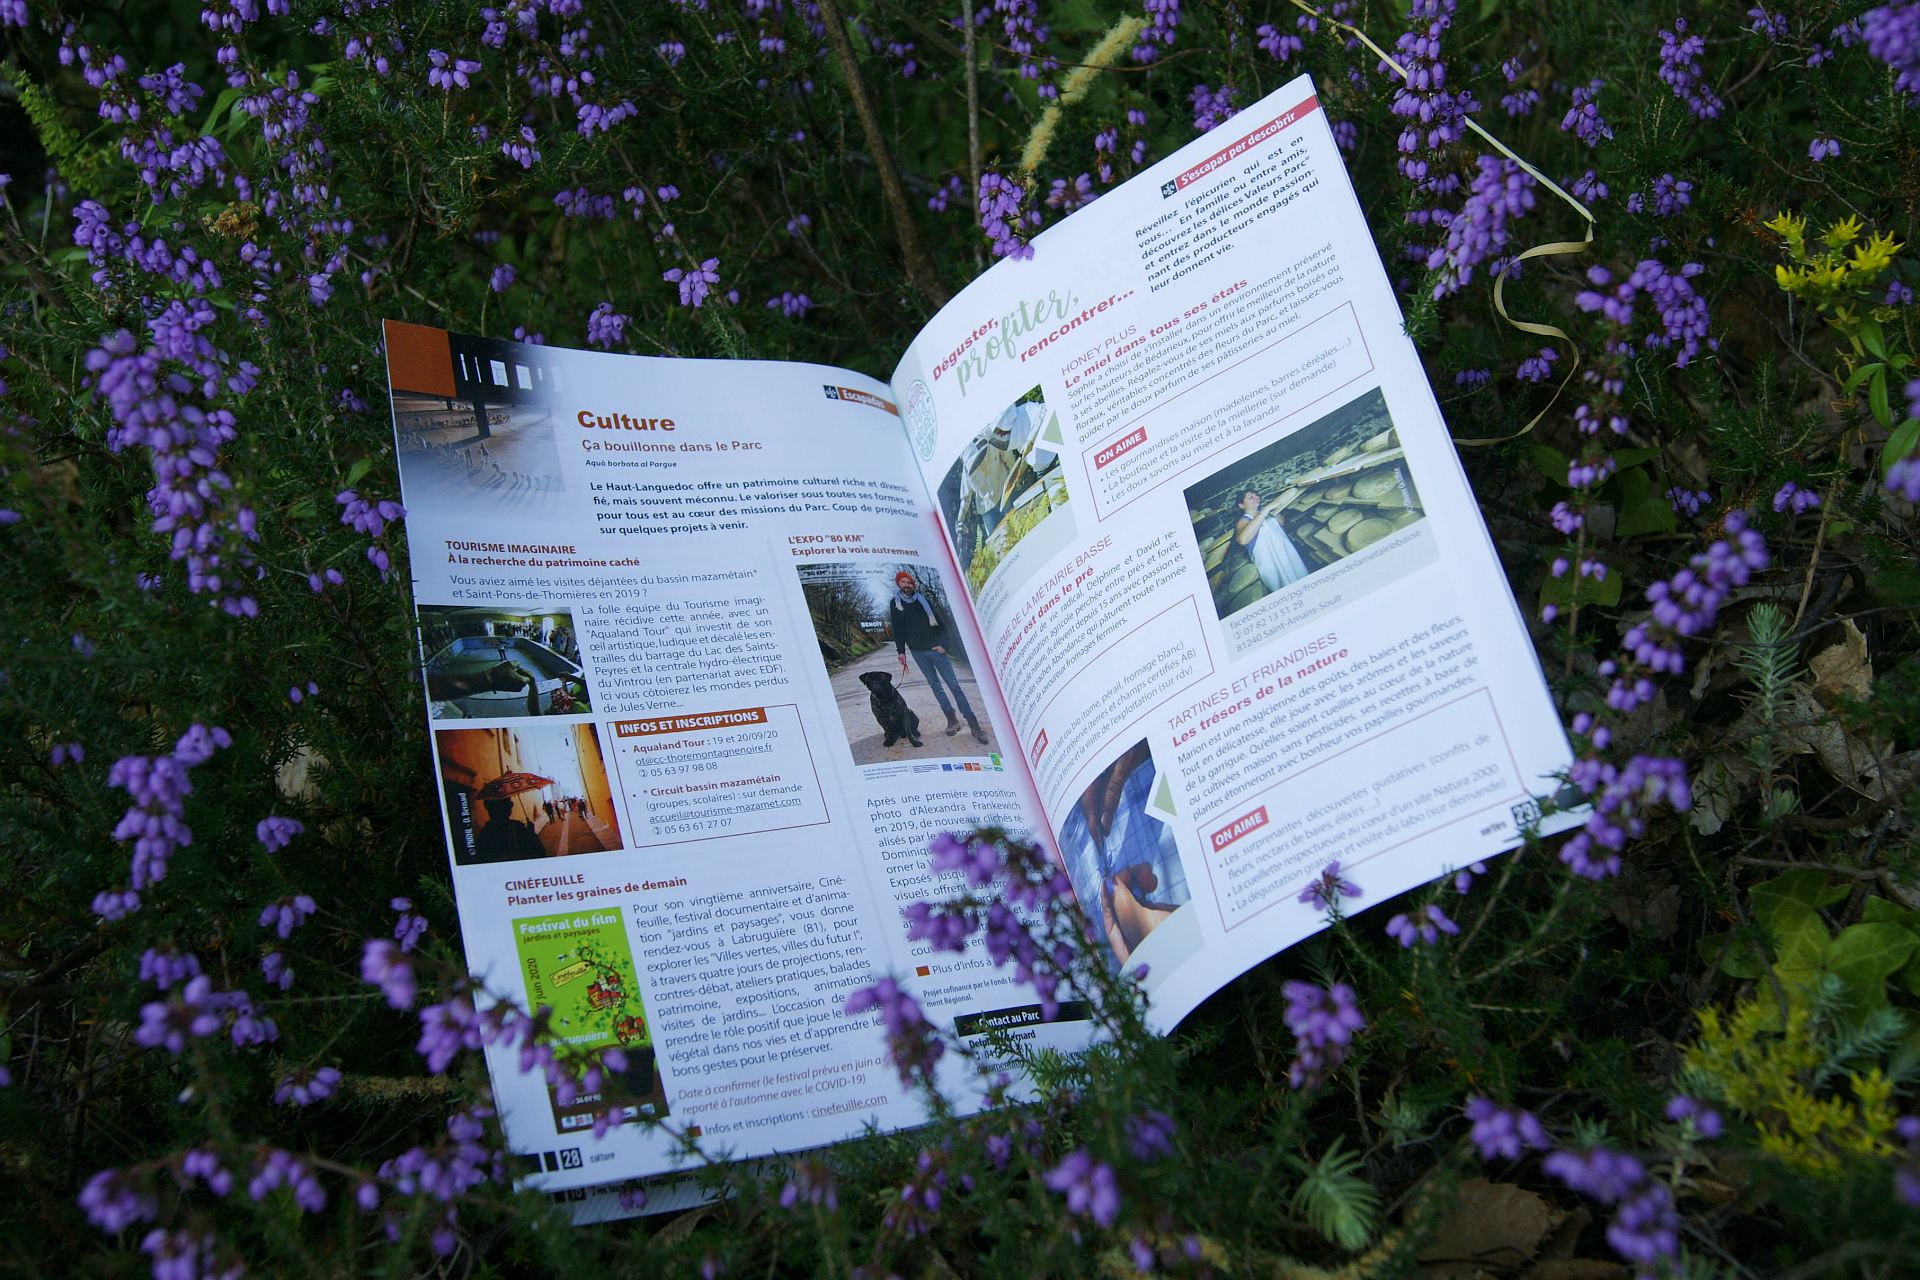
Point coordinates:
[[687, 776]]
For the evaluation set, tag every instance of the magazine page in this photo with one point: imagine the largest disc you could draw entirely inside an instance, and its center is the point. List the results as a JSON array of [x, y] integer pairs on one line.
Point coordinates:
[[1228, 569], [702, 685]]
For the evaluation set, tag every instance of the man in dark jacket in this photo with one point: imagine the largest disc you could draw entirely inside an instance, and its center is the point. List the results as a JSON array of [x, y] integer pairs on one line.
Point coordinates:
[[917, 627]]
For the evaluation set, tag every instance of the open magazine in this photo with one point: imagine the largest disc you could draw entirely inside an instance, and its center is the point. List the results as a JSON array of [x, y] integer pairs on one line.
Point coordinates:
[[1155, 547]]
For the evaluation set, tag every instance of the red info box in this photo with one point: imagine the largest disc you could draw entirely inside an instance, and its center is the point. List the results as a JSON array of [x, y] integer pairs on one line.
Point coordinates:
[[1245, 824], [1130, 441], [1240, 146]]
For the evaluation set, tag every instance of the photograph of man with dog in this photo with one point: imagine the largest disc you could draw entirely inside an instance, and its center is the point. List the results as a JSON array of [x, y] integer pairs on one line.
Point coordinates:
[[900, 673]]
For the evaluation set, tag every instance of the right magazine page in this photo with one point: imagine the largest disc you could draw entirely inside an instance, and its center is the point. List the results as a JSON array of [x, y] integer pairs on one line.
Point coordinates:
[[1242, 605]]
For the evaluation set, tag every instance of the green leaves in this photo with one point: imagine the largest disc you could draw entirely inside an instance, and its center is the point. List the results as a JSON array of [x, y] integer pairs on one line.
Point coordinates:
[[1864, 957], [1336, 1198]]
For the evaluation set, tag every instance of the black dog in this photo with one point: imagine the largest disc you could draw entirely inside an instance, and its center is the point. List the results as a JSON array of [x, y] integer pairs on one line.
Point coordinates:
[[896, 718]]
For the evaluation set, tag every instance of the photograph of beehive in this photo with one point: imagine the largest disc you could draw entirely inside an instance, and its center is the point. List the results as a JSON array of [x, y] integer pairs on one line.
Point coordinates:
[[1332, 488]]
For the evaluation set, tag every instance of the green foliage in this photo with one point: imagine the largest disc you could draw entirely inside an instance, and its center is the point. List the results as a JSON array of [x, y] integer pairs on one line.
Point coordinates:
[[1760, 950], [1336, 1198]]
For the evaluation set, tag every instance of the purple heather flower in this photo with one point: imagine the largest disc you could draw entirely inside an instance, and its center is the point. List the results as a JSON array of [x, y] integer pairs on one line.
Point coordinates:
[[1150, 1136], [1792, 496], [502, 278], [303, 1088], [1423, 926], [1434, 117], [1891, 33], [1603, 1175], [166, 967], [1068, 195], [1472, 378], [912, 1043], [275, 969], [521, 149], [1501, 193], [695, 282], [159, 786], [384, 965], [1903, 479], [449, 73], [1763, 23], [1589, 188], [606, 327], [66, 753], [1706, 1121], [1326, 889], [1276, 44], [1583, 120], [184, 1255], [1324, 1021], [409, 926], [1687, 502], [1089, 1185], [1002, 219], [1503, 1132], [287, 914], [979, 861], [281, 1169], [1680, 69], [1823, 148], [1210, 106], [201, 1164], [113, 1201], [953, 189], [1537, 367], [1163, 19], [192, 1011], [790, 304], [1463, 878]]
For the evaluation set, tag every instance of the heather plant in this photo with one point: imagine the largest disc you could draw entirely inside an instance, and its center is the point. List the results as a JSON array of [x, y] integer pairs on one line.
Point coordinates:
[[1656, 262]]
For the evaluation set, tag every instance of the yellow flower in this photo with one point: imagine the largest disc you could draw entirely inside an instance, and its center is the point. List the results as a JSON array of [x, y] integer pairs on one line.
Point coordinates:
[[1785, 225], [1842, 233], [1876, 255]]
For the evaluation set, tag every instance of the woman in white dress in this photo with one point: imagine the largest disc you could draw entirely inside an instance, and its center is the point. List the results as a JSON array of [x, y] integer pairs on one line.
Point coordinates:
[[1261, 532]]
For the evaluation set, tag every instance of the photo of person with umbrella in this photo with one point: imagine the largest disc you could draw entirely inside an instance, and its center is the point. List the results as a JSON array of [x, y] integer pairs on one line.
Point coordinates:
[[526, 792]]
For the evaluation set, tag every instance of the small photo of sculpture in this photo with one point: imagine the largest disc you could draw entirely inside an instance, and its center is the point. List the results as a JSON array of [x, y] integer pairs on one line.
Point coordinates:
[[1004, 485], [1328, 490], [484, 663]]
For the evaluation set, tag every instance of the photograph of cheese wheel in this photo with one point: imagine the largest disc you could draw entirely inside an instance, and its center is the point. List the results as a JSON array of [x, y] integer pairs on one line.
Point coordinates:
[[1302, 503]]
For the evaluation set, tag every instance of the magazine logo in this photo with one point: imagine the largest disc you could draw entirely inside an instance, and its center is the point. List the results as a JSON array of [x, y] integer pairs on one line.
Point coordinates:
[[1167, 190], [922, 427], [1526, 814]]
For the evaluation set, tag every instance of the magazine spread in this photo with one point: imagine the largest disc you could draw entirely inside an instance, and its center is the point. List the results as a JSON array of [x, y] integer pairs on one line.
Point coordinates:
[[1155, 549]]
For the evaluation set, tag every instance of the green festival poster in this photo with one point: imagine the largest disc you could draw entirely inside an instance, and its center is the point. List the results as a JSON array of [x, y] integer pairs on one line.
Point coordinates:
[[578, 966]]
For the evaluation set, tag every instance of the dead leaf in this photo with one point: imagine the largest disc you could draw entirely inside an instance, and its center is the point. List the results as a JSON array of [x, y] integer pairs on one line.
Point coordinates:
[[295, 778], [1808, 727], [1654, 911], [1843, 667], [1726, 776], [1576, 1269], [1566, 1237], [683, 1224], [1492, 1224]]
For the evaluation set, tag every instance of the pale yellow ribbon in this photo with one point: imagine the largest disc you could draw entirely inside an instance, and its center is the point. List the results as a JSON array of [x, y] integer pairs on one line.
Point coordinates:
[[1552, 249]]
